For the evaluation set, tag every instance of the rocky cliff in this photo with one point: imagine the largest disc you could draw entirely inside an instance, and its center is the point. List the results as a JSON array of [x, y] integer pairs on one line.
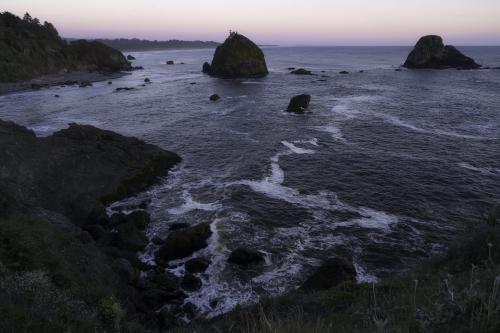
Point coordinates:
[[29, 49]]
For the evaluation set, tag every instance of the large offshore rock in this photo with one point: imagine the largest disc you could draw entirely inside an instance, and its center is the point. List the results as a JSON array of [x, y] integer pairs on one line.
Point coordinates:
[[237, 57], [430, 52]]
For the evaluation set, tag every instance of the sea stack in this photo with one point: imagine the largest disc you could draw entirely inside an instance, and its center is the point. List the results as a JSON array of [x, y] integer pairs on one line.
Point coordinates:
[[237, 57], [430, 52]]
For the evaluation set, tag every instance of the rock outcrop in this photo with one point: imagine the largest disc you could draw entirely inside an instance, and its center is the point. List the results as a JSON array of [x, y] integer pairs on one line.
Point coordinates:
[[245, 257], [185, 242], [53, 221], [299, 103], [430, 52], [301, 71], [330, 274], [237, 57], [29, 49]]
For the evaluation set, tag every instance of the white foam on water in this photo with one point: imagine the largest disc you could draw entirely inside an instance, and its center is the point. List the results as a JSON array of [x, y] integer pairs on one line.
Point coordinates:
[[190, 205], [334, 131], [362, 275], [484, 171], [297, 150]]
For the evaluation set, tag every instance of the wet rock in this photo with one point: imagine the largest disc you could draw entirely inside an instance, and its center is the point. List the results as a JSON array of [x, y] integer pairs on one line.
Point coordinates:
[[124, 269], [190, 282], [85, 84], [245, 257], [301, 71], [129, 237], [291, 68], [214, 97], [185, 242], [430, 52], [147, 80], [124, 89], [70, 83], [344, 72], [130, 57], [197, 265], [330, 274], [170, 62], [139, 218], [299, 103], [110, 82], [398, 70], [57, 96], [190, 310], [136, 68], [237, 57]]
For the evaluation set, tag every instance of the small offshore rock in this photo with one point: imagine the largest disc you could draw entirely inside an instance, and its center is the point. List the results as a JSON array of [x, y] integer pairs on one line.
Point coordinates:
[[147, 80], [344, 72], [124, 89], [110, 82], [170, 62], [245, 257], [299, 103], [301, 71], [207, 68], [330, 274], [214, 97]]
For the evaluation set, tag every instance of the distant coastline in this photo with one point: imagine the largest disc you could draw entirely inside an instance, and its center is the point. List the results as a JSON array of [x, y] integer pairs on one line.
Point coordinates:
[[135, 44]]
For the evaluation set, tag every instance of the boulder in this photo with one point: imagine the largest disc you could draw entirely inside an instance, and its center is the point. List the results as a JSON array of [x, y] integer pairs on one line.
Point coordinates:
[[178, 226], [214, 97], [245, 257], [128, 237], [197, 265], [430, 52], [185, 242], [130, 57], [301, 71], [170, 62], [330, 274], [190, 282], [124, 269], [139, 218], [299, 103], [237, 57]]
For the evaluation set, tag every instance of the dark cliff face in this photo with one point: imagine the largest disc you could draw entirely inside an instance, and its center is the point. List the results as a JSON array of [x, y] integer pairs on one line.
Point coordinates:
[[430, 52], [238, 56], [29, 49]]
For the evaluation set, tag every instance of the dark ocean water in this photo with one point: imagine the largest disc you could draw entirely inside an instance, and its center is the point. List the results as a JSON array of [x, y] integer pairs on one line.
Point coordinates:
[[387, 169]]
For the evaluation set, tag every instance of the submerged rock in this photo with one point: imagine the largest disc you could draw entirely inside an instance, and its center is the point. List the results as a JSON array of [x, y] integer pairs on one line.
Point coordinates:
[[170, 62], [245, 257], [299, 103], [237, 57], [301, 71], [147, 80], [344, 72], [330, 274], [185, 242], [430, 52], [214, 97]]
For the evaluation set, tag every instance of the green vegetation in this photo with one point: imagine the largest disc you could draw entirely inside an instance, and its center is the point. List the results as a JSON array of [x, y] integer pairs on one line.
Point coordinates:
[[29, 49], [52, 279], [457, 293]]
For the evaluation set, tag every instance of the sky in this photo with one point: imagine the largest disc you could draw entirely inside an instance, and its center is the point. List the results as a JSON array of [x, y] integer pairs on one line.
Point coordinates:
[[281, 22]]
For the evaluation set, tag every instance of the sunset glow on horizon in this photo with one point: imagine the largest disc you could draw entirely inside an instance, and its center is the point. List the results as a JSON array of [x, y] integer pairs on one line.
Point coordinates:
[[313, 22]]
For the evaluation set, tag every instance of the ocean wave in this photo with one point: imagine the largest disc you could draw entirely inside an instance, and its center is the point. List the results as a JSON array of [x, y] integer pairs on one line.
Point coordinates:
[[190, 205]]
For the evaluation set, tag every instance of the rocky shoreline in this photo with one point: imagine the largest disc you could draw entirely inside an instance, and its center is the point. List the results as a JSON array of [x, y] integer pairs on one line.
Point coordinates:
[[53, 220]]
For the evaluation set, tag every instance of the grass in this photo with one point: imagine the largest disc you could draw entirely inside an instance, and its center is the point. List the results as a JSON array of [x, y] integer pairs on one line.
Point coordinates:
[[457, 293]]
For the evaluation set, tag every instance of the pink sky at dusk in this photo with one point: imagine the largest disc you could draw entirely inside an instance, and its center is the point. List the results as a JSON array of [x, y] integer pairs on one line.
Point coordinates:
[[312, 22]]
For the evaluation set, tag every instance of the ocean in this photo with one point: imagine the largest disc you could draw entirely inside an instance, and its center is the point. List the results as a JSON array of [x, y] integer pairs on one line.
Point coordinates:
[[386, 169]]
